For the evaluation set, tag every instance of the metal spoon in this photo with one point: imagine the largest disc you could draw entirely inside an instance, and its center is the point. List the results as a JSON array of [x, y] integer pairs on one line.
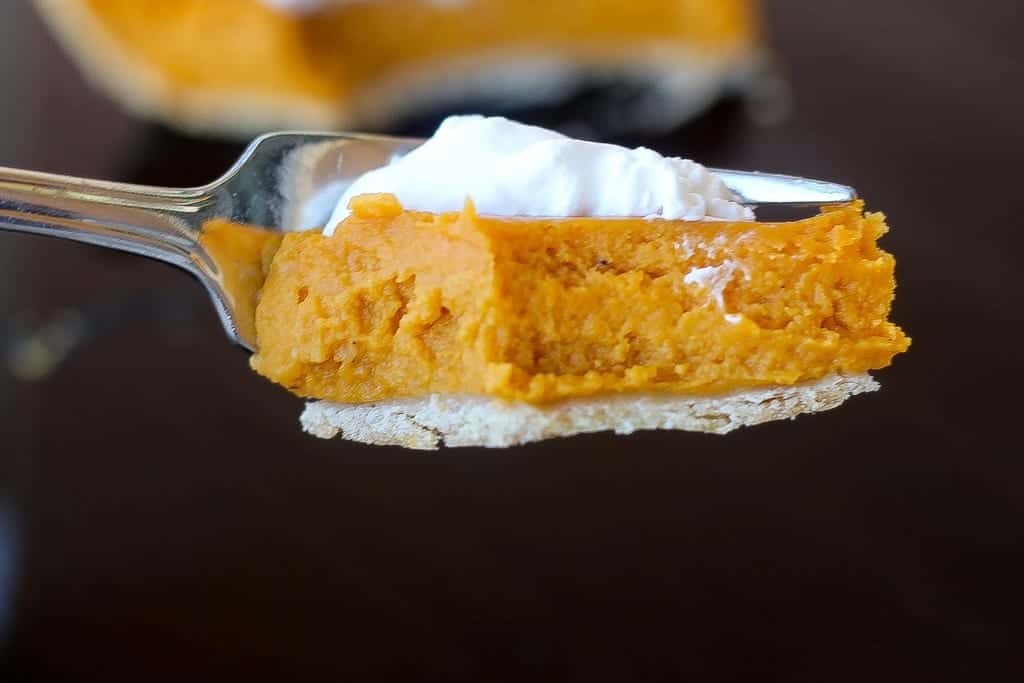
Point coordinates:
[[283, 181]]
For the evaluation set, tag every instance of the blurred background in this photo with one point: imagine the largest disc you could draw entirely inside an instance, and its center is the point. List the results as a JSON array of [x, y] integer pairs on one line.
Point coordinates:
[[162, 517]]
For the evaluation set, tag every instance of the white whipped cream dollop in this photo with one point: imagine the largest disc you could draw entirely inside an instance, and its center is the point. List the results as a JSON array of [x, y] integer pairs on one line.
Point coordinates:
[[511, 169], [296, 6], [308, 6]]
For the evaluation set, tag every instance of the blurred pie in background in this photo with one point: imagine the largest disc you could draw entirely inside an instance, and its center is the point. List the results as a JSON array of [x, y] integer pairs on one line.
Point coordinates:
[[239, 67]]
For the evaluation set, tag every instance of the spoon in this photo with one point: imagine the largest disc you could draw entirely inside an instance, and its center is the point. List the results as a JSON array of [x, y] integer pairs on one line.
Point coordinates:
[[282, 182]]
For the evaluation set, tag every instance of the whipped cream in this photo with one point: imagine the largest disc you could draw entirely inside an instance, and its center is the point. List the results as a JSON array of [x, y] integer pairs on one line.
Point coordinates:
[[307, 6], [511, 169], [297, 6], [714, 279]]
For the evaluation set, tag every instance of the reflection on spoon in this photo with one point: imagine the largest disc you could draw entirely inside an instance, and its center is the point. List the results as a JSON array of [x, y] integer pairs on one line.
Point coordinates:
[[239, 258]]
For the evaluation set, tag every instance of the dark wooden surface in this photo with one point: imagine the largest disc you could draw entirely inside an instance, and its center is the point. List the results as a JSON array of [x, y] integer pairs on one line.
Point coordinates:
[[168, 521]]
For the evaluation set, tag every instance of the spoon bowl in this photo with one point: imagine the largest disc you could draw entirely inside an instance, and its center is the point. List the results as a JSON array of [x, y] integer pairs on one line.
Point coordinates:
[[282, 182]]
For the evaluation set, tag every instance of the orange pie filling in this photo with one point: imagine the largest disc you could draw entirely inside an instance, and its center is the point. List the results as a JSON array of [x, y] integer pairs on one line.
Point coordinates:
[[240, 45], [244, 66], [404, 304]]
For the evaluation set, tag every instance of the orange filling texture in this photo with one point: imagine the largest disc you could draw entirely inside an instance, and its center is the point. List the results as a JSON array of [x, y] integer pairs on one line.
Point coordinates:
[[400, 304], [243, 45]]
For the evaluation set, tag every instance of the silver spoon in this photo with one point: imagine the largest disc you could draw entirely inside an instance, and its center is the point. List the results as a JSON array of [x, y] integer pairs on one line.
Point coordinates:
[[283, 181]]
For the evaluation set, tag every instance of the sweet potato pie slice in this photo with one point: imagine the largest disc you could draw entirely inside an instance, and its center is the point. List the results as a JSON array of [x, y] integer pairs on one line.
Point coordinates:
[[241, 66], [408, 304]]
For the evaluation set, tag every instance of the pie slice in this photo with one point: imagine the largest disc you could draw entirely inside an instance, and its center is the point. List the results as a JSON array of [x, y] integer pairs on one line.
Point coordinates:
[[247, 66], [417, 328]]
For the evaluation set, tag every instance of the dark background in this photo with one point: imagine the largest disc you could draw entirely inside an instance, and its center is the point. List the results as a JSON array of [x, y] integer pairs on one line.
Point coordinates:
[[166, 520]]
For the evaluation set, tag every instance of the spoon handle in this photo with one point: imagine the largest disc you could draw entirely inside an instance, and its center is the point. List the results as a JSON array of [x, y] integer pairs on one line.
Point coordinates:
[[150, 221]]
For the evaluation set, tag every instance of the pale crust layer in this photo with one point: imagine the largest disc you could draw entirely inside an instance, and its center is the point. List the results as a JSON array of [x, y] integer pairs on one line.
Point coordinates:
[[428, 423]]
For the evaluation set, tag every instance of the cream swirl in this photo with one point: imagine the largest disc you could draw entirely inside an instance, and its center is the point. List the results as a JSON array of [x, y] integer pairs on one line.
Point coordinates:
[[511, 169], [309, 6]]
